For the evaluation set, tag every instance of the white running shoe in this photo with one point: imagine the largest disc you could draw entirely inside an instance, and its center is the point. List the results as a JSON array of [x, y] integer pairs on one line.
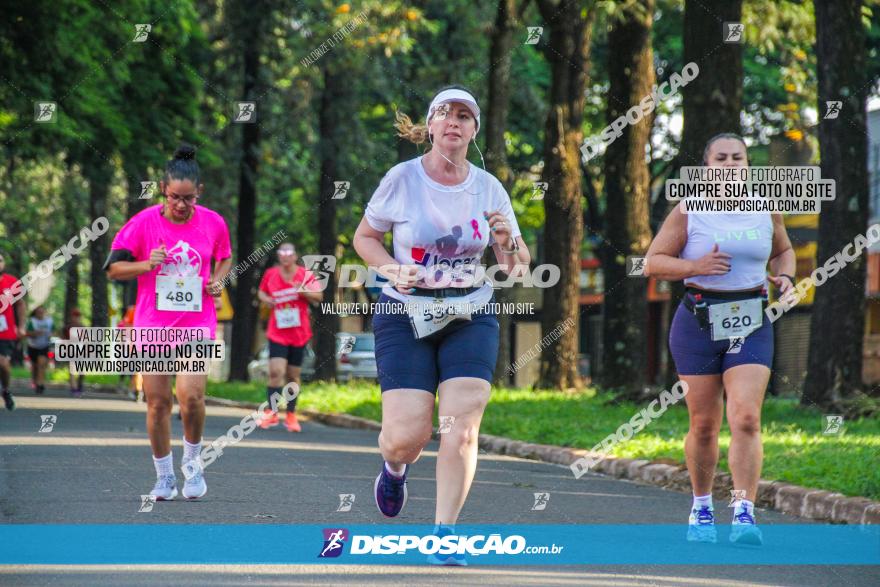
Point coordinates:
[[165, 488], [701, 525], [194, 487], [744, 531]]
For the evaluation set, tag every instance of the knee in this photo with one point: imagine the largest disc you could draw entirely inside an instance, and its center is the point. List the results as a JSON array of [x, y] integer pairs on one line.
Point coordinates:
[[191, 403], [402, 446], [276, 378], [461, 436], [704, 431], [746, 423], [159, 406]]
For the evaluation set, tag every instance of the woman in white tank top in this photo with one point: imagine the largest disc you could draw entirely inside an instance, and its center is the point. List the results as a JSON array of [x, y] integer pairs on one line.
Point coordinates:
[[722, 259]]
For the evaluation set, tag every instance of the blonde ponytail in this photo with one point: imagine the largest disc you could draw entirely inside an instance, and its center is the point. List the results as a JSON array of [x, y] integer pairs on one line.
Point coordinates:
[[407, 129]]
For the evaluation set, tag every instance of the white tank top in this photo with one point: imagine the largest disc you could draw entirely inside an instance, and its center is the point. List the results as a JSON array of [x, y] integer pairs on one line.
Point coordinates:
[[748, 238]]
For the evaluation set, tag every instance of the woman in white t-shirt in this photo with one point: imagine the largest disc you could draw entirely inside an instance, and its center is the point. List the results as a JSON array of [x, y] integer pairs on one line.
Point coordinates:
[[434, 330]]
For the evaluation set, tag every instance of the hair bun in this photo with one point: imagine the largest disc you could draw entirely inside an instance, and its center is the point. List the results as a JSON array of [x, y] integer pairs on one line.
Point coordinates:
[[185, 151]]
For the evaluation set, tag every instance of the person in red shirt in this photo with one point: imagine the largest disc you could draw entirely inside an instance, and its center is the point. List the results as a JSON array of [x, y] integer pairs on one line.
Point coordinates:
[[287, 288], [12, 319]]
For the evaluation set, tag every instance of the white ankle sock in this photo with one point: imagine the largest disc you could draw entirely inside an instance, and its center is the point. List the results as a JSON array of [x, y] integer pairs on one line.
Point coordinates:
[[191, 451], [164, 466], [396, 471], [703, 500]]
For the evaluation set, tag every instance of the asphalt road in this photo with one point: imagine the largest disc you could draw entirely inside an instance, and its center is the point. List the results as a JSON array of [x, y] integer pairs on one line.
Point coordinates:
[[95, 464]]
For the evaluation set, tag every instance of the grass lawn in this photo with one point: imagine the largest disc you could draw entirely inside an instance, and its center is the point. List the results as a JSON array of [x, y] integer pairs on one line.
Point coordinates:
[[795, 450]]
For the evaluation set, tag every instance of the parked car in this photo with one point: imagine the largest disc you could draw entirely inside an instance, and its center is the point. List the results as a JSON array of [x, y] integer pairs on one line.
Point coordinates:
[[356, 356], [355, 359]]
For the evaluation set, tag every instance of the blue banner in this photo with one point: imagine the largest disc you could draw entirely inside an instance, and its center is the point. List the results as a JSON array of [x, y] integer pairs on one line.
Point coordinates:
[[95, 544]]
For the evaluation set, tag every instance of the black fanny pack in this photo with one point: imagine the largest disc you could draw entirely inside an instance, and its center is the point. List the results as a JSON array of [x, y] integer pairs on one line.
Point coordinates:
[[699, 306]]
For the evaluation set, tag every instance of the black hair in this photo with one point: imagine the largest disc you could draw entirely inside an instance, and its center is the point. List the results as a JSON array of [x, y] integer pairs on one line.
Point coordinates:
[[183, 164], [718, 137]]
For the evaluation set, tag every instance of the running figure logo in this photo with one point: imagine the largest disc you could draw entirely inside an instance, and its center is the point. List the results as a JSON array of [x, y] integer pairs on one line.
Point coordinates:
[[182, 261], [334, 539], [341, 189], [635, 267], [733, 32], [47, 423], [539, 189], [322, 267], [346, 500], [141, 32], [736, 495], [147, 503], [541, 500], [832, 109], [534, 35], [833, 424], [148, 190], [346, 345], [245, 112], [445, 424], [736, 344], [45, 112]]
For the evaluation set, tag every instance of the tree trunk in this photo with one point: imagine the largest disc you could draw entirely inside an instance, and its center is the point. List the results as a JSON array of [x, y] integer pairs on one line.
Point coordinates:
[[245, 318], [568, 53], [834, 364], [100, 175], [496, 151], [712, 102], [627, 184], [333, 107]]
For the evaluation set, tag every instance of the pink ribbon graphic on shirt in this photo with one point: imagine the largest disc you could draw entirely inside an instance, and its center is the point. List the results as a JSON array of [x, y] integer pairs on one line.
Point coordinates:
[[476, 226]]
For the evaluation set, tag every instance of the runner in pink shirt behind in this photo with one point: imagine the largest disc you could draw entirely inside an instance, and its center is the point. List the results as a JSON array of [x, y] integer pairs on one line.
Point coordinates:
[[180, 253], [287, 288]]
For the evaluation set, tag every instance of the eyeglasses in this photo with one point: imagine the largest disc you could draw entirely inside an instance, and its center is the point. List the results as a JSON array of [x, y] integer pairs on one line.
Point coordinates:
[[286, 253], [188, 200]]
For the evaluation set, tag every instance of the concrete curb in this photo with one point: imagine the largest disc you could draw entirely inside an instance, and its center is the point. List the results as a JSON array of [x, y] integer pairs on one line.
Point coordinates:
[[814, 504]]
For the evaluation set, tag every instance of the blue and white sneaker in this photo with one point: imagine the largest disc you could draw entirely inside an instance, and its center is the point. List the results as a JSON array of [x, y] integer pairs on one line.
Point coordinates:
[[165, 488], [701, 525], [390, 492], [449, 560], [744, 531], [194, 487]]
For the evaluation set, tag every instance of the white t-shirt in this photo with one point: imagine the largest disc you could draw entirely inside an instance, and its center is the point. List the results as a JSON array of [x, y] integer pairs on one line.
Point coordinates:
[[439, 227]]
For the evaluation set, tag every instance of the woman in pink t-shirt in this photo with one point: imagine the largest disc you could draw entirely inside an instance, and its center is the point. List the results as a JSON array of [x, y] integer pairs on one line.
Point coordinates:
[[180, 254], [287, 288]]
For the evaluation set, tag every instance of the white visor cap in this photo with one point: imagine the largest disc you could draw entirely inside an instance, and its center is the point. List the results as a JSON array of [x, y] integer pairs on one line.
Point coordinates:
[[447, 96]]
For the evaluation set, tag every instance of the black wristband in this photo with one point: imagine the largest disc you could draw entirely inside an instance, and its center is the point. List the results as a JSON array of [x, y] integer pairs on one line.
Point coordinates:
[[790, 278]]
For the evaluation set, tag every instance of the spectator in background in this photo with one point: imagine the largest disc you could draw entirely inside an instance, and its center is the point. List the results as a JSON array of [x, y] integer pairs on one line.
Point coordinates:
[[39, 329]]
